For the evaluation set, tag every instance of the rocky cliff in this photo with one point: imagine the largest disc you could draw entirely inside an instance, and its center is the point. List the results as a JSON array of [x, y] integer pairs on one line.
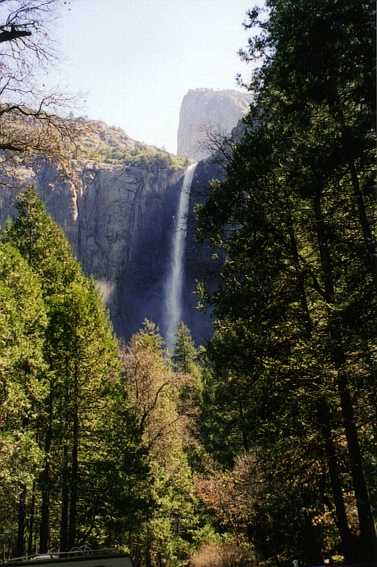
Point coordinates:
[[197, 264], [117, 206], [204, 113]]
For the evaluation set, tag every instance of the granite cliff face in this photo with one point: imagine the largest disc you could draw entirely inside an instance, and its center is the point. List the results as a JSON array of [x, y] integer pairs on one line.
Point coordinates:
[[118, 214], [197, 263], [208, 111]]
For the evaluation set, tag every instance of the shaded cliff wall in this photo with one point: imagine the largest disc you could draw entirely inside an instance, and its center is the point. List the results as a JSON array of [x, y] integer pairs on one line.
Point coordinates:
[[141, 281], [118, 220], [197, 264]]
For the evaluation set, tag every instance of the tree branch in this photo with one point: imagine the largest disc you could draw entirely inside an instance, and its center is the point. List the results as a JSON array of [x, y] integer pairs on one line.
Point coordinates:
[[13, 34]]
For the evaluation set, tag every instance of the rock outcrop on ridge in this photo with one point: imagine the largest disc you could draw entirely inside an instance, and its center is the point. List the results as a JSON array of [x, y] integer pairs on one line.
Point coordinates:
[[206, 113]]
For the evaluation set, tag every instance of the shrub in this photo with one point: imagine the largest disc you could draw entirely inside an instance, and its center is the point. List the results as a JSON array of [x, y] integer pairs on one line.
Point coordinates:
[[221, 555]]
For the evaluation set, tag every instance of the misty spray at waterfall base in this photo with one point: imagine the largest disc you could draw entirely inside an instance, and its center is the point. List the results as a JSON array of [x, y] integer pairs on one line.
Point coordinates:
[[174, 283]]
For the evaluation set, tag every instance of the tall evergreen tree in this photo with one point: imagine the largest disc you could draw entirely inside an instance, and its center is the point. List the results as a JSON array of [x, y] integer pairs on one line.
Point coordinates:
[[167, 530], [82, 354], [23, 386], [81, 373], [185, 354], [296, 311], [43, 244]]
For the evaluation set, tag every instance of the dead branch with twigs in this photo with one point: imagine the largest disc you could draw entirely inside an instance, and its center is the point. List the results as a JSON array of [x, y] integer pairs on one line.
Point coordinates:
[[32, 118]]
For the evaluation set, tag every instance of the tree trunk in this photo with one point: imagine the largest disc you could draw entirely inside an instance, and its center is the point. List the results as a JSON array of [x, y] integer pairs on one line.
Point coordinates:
[[20, 548], [323, 418], [74, 468], [300, 278], [324, 252], [366, 524], [65, 503], [44, 530], [148, 558], [45, 510], [364, 221], [346, 536], [31, 522], [369, 241]]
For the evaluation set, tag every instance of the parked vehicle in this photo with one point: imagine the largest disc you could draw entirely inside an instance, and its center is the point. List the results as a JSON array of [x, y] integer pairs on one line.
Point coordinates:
[[79, 557]]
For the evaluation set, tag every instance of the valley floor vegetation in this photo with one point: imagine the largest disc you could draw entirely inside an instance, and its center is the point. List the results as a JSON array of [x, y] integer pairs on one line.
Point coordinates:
[[259, 448]]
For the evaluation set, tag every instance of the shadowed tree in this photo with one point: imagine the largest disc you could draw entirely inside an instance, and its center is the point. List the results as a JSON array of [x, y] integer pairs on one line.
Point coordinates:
[[296, 309]]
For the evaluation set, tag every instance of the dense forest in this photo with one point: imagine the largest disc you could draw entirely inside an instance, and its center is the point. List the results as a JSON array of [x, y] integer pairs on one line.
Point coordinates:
[[259, 447]]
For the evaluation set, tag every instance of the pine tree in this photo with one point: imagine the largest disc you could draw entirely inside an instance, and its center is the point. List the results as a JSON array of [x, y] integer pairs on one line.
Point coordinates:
[[81, 374], [296, 309], [165, 532], [82, 354], [43, 244], [23, 387], [185, 354]]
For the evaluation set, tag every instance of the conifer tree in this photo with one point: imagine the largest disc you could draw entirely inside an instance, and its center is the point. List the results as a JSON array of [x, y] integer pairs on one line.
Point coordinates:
[[153, 390], [296, 309], [81, 372], [82, 354], [185, 354], [43, 244], [23, 387]]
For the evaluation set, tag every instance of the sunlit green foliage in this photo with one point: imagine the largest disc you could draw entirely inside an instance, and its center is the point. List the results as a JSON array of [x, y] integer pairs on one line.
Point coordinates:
[[63, 378], [109, 145], [170, 525], [22, 378]]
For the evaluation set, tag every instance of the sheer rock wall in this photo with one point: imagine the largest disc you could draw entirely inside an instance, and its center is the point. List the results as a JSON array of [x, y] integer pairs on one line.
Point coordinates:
[[208, 112], [119, 219]]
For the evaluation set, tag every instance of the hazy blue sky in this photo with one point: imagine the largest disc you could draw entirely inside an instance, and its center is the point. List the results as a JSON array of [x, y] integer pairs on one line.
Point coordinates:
[[135, 59]]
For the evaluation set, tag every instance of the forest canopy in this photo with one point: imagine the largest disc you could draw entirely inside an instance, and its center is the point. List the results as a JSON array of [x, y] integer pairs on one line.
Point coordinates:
[[258, 448], [293, 354]]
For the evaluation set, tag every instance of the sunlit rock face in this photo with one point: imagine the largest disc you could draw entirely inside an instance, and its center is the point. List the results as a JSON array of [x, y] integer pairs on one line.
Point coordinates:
[[119, 218], [208, 113]]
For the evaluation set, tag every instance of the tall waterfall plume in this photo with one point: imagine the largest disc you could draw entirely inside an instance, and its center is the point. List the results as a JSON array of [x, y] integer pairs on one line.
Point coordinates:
[[174, 284]]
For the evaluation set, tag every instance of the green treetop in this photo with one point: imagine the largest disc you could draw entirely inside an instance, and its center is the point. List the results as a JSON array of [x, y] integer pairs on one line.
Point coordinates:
[[22, 380], [185, 354], [43, 244]]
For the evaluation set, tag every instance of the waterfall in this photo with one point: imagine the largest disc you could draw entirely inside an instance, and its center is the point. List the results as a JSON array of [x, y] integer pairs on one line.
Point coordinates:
[[174, 284]]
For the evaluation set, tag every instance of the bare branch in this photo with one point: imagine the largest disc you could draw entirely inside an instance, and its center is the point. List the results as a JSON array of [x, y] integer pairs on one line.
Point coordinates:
[[12, 34], [29, 117]]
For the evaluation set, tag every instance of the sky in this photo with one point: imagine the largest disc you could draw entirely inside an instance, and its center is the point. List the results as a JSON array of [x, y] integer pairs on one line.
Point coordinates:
[[132, 61]]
